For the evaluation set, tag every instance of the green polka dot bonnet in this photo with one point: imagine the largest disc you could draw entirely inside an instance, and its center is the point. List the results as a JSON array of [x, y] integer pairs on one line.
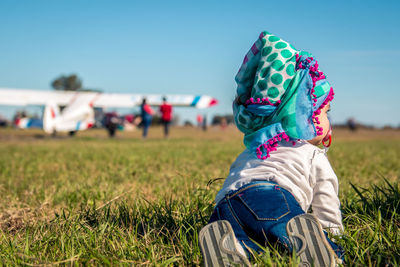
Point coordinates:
[[280, 91]]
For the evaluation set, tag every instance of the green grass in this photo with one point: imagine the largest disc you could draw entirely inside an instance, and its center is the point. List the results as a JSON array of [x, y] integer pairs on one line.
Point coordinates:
[[95, 201]]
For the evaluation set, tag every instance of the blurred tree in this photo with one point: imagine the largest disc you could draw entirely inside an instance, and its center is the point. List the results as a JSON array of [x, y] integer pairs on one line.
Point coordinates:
[[67, 83]]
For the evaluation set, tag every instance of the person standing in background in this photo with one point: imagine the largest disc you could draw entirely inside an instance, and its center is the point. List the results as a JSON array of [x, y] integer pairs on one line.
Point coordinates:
[[166, 116], [199, 120], [204, 126], [147, 115]]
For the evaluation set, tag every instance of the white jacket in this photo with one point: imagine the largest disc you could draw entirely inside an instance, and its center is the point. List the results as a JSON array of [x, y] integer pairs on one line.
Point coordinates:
[[302, 169]]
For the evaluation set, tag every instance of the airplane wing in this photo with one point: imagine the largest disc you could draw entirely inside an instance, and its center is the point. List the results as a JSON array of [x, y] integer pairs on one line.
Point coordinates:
[[23, 97]]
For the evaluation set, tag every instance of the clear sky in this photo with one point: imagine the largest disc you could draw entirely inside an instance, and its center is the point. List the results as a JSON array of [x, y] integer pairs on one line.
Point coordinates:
[[196, 47]]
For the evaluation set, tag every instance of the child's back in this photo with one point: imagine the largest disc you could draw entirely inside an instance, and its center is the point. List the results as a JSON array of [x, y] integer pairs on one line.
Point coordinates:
[[281, 107]]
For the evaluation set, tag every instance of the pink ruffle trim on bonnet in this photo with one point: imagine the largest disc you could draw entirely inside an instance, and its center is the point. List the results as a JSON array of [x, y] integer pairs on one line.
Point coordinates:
[[271, 145], [316, 75], [318, 111]]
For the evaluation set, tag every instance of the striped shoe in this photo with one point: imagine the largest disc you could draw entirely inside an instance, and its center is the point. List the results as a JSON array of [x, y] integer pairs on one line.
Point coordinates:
[[309, 241], [220, 246]]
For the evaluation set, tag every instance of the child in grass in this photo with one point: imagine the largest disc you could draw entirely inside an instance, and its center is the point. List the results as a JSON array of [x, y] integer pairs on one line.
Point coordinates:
[[282, 108]]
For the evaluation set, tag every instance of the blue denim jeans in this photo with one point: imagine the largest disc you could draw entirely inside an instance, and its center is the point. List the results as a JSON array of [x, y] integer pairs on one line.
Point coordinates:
[[146, 125], [260, 211]]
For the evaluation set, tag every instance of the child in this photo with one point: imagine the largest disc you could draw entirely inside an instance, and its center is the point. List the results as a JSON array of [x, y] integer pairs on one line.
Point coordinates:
[[281, 107]]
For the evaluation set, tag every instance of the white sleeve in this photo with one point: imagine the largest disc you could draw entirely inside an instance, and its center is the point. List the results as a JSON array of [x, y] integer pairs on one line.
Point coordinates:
[[325, 202]]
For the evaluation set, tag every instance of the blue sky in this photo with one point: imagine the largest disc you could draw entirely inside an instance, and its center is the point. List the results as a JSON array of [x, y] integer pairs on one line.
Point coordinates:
[[188, 47]]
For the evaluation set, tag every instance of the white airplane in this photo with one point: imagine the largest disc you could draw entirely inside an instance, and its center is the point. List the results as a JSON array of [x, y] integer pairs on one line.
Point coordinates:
[[78, 113]]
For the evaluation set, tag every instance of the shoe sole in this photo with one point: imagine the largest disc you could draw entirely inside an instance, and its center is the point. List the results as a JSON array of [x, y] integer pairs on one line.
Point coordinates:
[[218, 245], [309, 241]]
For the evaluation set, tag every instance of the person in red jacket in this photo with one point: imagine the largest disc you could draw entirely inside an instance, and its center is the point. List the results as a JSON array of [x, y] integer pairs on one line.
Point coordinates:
[[166, 116]]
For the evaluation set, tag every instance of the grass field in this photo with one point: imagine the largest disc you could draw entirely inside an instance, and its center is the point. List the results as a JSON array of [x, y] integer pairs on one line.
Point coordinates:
[[90, 200]]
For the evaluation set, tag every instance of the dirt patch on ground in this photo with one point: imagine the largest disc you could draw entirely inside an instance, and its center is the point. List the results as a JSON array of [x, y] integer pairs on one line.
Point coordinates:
[[15, 219]]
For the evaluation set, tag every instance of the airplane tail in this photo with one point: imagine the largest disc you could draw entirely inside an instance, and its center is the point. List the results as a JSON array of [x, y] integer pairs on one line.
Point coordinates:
[[77, 116]]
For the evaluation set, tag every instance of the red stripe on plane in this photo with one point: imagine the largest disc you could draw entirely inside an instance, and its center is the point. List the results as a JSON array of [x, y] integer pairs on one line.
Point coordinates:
[[213, 102]]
